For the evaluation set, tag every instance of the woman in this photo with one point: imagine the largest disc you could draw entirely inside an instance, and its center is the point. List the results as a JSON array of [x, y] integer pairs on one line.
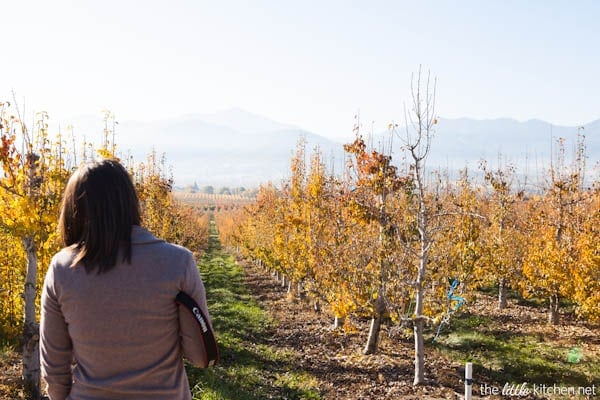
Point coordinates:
[[110, 327]]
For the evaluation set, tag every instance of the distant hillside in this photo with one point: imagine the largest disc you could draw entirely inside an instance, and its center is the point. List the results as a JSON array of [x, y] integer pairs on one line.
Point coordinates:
[[460, 143], [229, 148], [460, 140], [238, 148]]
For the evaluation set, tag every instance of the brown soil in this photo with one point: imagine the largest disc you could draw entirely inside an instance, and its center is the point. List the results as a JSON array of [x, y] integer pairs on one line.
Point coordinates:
[[10, 376], [335, 359]]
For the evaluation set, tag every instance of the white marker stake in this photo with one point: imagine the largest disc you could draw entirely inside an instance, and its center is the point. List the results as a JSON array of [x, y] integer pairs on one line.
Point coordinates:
[[468, 381]]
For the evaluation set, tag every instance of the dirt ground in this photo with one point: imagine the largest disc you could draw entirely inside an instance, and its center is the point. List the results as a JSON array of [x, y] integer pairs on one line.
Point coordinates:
[[335, 359], [10, 377]]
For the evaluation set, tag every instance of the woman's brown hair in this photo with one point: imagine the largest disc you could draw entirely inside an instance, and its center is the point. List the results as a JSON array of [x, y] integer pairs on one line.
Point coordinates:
[[99, 207]]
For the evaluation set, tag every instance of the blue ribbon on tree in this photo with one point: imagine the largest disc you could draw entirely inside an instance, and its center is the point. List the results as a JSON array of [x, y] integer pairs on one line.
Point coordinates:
[[452, 297]]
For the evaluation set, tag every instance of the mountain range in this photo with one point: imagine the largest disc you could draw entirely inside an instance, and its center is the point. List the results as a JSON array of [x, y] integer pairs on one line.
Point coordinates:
[[238, 148]]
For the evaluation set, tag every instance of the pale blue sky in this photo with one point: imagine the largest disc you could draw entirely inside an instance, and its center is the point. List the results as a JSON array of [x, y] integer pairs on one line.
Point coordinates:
[[308, 63]]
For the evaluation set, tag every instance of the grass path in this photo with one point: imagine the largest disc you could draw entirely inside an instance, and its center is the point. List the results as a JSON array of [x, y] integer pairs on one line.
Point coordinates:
[[250, 367], [289, 352]]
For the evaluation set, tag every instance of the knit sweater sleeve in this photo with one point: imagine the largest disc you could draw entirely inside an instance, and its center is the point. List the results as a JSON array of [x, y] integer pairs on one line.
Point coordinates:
[[55, 344], [191, 343]]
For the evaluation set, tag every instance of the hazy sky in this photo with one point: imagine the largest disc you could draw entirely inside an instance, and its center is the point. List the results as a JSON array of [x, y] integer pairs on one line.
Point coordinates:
[[308, 63]]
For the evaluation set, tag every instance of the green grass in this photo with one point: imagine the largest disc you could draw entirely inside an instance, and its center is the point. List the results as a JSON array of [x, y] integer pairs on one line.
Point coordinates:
[[6, 350], [502, 356], [250, 368]]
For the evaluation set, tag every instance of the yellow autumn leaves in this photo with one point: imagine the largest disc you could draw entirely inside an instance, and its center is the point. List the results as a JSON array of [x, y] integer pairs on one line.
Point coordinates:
[[327, 232], [34, 174]]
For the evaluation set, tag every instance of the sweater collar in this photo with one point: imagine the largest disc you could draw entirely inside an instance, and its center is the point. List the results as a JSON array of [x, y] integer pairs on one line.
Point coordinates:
[[141, 235]]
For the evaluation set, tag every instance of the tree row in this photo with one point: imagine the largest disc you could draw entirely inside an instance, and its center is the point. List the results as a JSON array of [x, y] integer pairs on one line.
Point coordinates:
[[399, 241]]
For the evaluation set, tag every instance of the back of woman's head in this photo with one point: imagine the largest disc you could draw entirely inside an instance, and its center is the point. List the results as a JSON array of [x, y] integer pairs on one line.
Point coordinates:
[[99, 207]]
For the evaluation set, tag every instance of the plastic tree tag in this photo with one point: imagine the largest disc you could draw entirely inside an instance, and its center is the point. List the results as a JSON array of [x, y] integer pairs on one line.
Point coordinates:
[[574, 355]]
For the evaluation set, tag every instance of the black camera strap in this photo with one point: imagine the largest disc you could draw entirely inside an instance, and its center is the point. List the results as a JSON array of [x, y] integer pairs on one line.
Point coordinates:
[[208, 337]]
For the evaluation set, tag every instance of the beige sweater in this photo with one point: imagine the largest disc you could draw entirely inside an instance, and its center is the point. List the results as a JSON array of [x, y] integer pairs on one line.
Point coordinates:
[[120, 335]]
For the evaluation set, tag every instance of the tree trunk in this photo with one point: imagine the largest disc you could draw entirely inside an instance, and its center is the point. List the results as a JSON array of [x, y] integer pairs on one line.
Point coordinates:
[[419, 353], [419, 377], [338, 322], [502, 301], [31, 329], [317, 306], [283, 281], [553, 315], [375, 328], [373, 339]]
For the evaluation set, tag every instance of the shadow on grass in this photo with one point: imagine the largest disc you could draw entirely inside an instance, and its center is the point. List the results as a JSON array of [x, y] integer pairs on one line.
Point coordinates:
[[249, 368], [505, 356]]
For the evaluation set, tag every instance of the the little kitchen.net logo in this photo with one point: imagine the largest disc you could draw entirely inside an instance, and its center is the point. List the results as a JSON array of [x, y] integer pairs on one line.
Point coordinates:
[[526, 389]]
